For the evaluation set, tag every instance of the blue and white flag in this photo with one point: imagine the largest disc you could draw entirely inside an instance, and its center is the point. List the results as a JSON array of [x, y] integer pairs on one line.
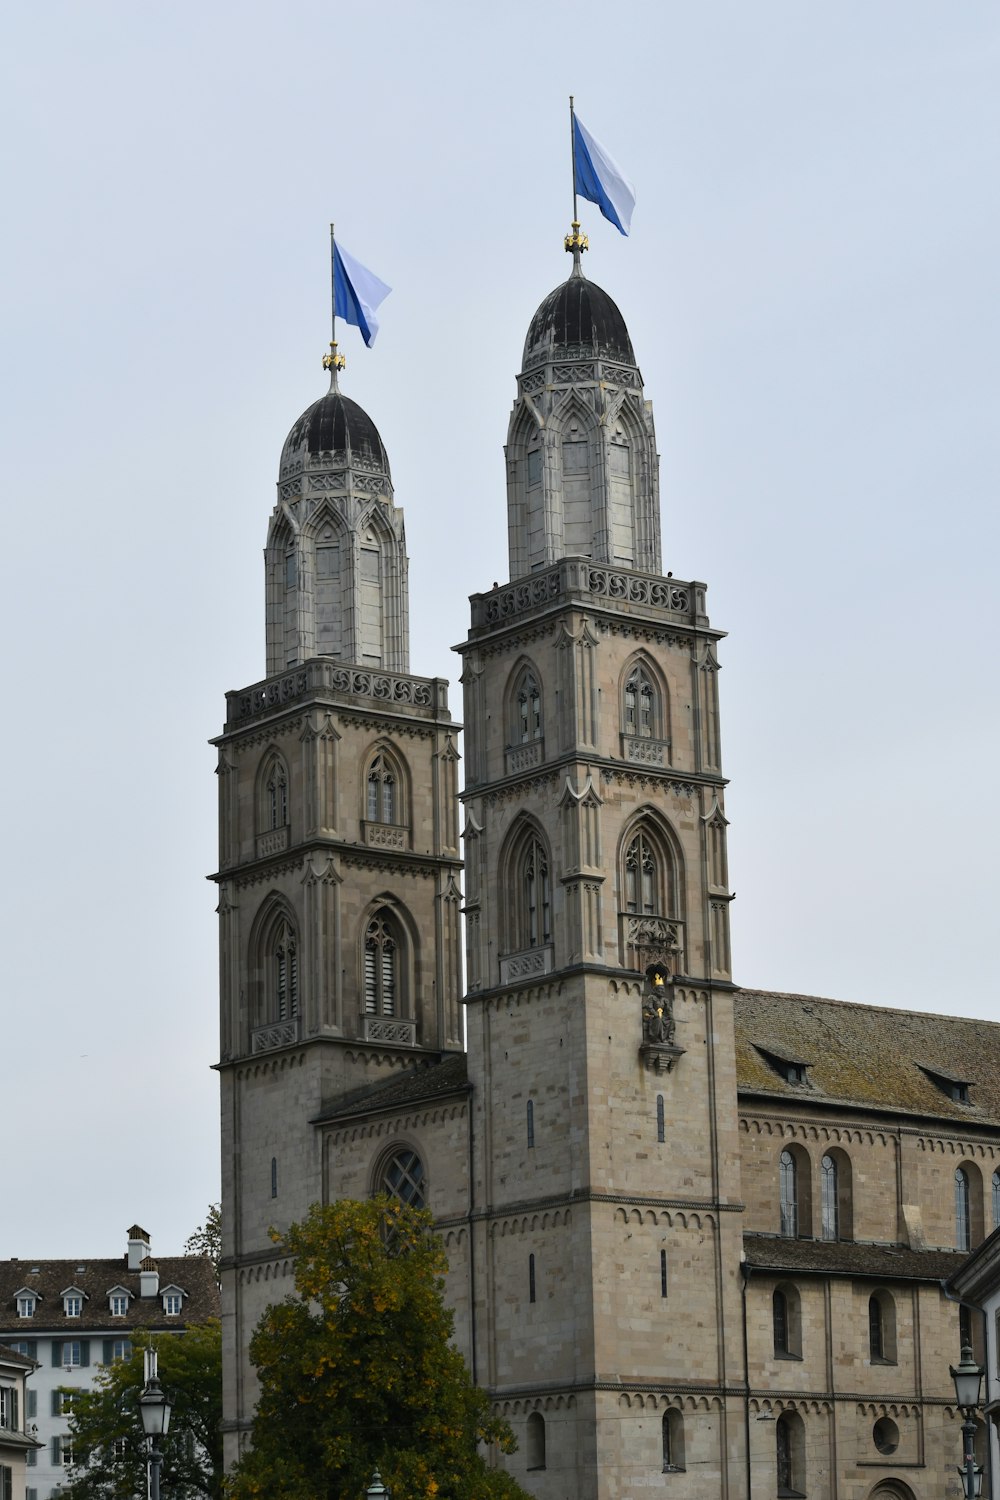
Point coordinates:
[[600, 180], [357, 292]]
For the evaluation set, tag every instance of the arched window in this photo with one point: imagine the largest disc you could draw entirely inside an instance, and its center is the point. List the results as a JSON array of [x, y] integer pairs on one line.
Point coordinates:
[[383, 790], [285, 974], [786, 1322], [402, 1177], [672, 1439], [829, 1206], [526, 708], [277, 795], [789, 1195], [996, 1200], [534, 1444], [641, 705], [382, 966], [527, 886], [789, 1439], [642, 877], [535, 889], [882, 1328], [963, 1210]]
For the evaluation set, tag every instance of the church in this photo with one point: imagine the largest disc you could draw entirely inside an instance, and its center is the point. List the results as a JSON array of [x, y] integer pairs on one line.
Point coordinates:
[[696, 1234]]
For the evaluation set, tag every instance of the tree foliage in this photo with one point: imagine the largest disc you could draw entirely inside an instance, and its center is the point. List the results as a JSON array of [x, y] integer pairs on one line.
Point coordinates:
[[109, 1445], [357, 1371], [207, 1238]]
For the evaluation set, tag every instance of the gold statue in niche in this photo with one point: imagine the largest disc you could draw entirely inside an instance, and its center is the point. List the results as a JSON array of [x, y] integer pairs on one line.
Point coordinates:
[[658, 1024]]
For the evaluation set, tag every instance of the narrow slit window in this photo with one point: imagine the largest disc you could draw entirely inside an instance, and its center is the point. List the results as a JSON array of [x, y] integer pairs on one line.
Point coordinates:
[[661, 1129], [531, 1278], [663, 1273], [531, 1123]]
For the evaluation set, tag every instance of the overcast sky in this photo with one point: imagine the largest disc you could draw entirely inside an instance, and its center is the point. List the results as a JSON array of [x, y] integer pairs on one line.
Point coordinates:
[[811, 289]]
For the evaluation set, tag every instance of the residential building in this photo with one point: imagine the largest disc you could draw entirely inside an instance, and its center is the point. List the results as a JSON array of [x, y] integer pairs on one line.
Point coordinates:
[[69, 1317], [696, 1233], [17, 1441]]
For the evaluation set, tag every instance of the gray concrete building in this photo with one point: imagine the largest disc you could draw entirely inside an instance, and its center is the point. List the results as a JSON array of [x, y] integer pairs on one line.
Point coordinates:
[[696, 1234]]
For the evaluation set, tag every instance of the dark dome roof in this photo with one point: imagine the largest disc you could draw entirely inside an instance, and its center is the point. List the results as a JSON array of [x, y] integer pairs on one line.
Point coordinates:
[[335, 424], [578, 312]]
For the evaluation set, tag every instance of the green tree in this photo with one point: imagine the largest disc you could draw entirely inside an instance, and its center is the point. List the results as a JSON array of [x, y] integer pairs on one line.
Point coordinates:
[[108, 1441], [357, 1371], [207, 1238]]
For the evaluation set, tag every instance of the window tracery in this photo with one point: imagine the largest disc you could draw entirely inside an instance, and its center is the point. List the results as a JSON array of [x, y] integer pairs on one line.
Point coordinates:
[[381, 965]]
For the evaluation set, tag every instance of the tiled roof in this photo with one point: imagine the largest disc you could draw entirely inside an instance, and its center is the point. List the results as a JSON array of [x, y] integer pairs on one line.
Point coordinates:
[[868, 1056], [194, 1273], [11, 1357], [416, 1086], [765, 1252]]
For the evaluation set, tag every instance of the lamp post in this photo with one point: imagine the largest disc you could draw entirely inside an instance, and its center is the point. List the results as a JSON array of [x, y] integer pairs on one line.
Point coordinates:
[[155, 1409], [968, 1378], [376, 1489]]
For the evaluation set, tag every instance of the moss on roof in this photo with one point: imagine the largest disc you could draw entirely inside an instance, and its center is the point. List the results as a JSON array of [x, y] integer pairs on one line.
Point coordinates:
[[868, 1056]]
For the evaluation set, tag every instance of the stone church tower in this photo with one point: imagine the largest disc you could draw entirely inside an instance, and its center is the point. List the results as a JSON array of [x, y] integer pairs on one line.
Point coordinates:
[[600, 1045], [338, 828]]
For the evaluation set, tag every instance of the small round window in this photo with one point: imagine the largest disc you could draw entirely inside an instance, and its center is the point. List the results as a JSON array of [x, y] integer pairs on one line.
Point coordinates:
[[403, 1178], [886, 1435]]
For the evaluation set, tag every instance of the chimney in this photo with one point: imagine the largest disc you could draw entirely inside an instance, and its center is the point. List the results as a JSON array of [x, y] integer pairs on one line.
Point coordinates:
[[138, 1247], [149, 1277]]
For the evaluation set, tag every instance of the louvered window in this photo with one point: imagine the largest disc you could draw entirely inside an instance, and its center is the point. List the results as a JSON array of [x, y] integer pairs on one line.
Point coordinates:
[[641, 884], [640, 705], [536, 894], [381, 967]]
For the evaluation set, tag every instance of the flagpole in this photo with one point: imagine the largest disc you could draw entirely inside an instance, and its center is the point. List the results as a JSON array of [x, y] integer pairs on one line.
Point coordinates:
[[572, 152], [333, 361]]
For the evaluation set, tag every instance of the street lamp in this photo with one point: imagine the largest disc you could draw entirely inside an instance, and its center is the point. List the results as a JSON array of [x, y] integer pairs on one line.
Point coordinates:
[[375, 1491], [155, 1409], [968, 1378]]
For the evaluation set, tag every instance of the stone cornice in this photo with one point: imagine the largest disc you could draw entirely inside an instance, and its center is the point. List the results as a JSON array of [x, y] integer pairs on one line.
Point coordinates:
[[253, 871], [681, 782]]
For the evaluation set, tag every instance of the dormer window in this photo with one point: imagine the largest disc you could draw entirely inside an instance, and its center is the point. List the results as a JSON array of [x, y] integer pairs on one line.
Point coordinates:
[[788, 1068], [118, 1300], [73, 1298], [951, 1085], [26, 1304], [173, 1299]]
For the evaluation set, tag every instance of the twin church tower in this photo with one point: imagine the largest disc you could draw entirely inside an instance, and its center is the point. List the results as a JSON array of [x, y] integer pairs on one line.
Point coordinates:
[[570, 1120]]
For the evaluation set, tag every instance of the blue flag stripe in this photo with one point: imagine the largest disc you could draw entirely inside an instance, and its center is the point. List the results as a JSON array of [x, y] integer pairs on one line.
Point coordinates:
[[600, 180], [357, 292]]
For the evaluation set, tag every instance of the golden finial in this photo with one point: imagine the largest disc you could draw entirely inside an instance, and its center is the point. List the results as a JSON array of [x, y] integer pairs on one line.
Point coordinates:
[[333, 360], [575, 241]]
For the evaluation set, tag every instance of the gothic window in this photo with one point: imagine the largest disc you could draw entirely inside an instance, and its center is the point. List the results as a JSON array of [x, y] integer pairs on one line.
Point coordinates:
[[788, 1193], [402, 1177], [383, 795], [830, 1214], [963, 1213], [641, 876], [528, 888], [672, 1440], [535, 1440], [382, 966], [285, 974], [273, 795], [528, 709], [640, 707]]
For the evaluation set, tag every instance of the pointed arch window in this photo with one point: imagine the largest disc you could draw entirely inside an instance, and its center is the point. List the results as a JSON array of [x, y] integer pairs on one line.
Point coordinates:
[[535, 890], [526, 883], [529, 709], [829, 1201], [277, 795], [383, 791], [641, 705], [642, 882], [285, 963], [382, 964]]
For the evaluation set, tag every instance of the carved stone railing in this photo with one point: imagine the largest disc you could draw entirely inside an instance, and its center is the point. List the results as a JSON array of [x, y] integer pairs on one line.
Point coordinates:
[[386, 836], [648, 939], [523, 757], [576, 576], [526, 965], [322, 675], [390, 1029], [645, 752], [275, 841], [275, 1034]]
